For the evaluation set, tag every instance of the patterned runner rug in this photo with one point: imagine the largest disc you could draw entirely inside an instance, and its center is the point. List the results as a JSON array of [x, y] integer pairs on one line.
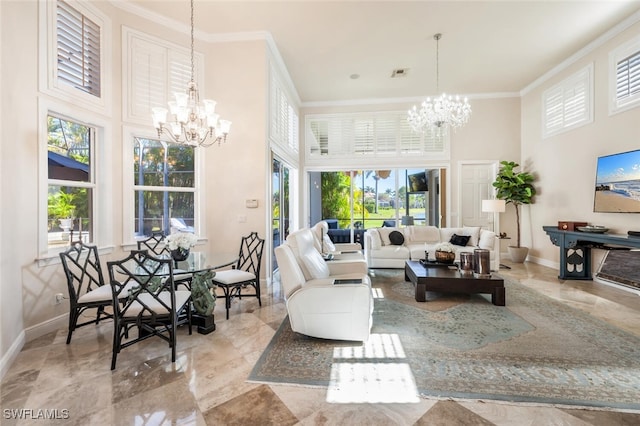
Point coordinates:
[[533, 350]]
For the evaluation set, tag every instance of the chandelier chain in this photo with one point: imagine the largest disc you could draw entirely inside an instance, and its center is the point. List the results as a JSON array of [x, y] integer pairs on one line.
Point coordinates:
[[192, 46], [437, 38]]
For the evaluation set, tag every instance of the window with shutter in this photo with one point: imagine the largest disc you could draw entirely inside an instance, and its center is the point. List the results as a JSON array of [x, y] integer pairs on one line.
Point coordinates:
[[155, 70], [376, 135], [78, 49], [284, 127], [625, 77], [568, 104]]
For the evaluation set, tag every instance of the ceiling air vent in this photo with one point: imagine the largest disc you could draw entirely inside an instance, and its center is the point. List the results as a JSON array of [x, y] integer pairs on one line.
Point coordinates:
[[399, 72]]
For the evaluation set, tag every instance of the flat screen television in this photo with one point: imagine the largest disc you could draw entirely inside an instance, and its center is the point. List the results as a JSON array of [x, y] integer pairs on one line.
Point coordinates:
[[618, 183], [418, 182]]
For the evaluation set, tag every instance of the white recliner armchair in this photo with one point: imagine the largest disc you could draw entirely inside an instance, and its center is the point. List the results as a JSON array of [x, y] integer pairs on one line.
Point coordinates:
[[337, 251], [317, 307]]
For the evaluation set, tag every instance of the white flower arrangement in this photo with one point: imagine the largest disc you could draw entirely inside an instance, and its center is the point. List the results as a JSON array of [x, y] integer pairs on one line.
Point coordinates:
[[446, 247], [181, 240]]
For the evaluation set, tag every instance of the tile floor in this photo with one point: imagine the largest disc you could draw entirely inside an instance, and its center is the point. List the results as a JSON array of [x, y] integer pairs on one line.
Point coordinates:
[[206, 385]]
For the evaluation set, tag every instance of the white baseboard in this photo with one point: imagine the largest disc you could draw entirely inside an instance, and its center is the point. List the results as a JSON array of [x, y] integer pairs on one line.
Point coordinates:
[[544, 262], [29, 334], [11, 355]]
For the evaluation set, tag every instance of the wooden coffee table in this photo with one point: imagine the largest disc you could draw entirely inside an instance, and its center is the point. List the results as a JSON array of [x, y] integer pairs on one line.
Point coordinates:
[[450, 281]]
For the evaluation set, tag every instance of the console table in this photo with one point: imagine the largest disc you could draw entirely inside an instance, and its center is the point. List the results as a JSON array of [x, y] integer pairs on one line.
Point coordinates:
[[575, 249]]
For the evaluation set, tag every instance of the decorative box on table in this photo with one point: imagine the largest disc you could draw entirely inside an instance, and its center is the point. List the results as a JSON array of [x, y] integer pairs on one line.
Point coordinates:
[[570, 226]]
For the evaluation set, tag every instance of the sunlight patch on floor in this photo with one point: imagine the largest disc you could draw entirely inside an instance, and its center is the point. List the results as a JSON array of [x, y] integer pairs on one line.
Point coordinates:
[[378, 346], [371, 383]]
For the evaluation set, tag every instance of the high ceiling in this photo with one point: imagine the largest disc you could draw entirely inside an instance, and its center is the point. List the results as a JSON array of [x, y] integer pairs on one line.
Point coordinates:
[[487, 47]]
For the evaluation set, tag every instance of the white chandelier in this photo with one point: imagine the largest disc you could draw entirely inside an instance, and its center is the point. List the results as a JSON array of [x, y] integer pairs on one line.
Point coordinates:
[[439, 114], [194, 123]]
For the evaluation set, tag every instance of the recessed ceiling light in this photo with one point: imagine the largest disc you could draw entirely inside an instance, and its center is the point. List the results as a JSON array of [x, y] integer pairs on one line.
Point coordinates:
[[354, 76]]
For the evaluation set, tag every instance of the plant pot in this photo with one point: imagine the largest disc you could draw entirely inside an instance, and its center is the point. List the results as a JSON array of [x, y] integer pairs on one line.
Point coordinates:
[[518, 254], [66, 224], [445, 257], [180, 254]]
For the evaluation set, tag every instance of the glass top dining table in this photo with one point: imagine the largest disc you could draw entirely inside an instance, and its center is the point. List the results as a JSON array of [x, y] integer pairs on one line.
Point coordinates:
[[198, 261]]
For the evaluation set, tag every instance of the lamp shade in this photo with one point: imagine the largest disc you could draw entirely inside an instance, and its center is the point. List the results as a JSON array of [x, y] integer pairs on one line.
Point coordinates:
[[407, 220], [493, 206]]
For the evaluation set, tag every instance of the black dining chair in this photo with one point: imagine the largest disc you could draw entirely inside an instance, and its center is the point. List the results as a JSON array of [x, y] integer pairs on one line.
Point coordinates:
[[245, 273], [144, 297], [85, 283], [156, 244]]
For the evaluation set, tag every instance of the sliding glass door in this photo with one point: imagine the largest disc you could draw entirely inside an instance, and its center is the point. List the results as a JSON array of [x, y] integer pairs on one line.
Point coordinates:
[[280, 214], [360, 199]]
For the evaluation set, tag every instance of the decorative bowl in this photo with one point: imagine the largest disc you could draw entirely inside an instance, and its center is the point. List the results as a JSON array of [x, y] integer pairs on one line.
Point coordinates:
[[593, 229], [445, 257]]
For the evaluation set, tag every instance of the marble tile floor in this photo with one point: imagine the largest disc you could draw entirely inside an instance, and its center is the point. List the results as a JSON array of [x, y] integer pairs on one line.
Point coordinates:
[[207, 384]]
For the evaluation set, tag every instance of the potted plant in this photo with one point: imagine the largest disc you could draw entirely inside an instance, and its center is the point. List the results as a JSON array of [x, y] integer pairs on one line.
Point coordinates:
[[515, 188], [60, 206], [180, 244]]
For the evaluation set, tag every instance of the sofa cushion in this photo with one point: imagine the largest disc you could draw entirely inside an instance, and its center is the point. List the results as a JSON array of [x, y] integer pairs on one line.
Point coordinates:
[[447, 233], [308, 257], [384, 235], [459, 240], [424, 234], [396, 238], [376, 241], [487, 239], [473, 232], [315, 265], [391, 252], [327, 244]]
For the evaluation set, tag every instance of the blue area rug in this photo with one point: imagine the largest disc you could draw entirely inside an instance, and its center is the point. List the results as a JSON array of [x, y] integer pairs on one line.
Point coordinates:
[[533, 350]]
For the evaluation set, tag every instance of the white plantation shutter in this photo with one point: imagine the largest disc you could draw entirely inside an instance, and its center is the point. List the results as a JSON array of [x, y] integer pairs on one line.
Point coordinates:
[[284, 127], [156, 69], [376, 135], [148, 77], [625, 78], [78, 49], [386, 135], [568, 104], [180, 73]]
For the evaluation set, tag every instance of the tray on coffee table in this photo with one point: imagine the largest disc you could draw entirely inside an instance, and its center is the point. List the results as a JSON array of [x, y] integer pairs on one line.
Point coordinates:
[[434, 264]]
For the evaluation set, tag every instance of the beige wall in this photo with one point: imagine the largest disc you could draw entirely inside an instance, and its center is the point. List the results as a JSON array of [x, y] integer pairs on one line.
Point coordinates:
[[236, 76], [565, 164]]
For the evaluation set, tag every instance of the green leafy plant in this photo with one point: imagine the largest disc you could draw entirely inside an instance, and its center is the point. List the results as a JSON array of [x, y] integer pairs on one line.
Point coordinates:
[[514, 188], [61, 205]]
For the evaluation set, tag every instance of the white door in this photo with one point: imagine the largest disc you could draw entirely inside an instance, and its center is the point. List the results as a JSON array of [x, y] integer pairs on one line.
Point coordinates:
[[475, 181]]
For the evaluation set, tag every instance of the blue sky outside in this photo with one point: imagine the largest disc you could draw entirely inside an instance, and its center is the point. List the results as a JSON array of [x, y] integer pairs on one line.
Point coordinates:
[[619, 167]]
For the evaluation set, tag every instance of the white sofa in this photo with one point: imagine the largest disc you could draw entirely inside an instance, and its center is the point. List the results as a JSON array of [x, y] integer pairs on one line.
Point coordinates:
[[380, 252], [316, 306]]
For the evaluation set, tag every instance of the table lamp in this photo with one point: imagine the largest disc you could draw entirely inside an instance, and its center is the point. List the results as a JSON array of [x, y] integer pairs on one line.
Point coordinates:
[[407, 220]]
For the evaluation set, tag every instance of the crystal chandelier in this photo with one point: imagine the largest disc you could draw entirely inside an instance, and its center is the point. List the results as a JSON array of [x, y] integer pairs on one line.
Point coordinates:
[[193, 123], [439, 114]]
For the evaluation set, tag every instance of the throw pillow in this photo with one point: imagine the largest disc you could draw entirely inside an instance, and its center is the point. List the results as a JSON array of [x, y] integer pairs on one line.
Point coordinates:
[[459, 240], [396, 238]]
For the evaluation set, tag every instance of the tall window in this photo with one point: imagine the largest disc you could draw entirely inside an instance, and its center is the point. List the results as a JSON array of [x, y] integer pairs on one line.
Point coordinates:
[[78, 49], [71, 181], [164, 187], [625, 76]]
